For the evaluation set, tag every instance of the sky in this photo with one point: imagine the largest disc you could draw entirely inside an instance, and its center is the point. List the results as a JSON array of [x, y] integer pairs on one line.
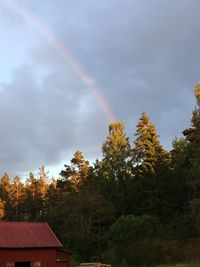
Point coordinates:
[[69, 68]]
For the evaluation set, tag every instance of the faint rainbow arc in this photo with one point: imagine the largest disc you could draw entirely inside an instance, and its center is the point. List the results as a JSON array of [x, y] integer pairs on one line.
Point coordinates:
[[34, 21]]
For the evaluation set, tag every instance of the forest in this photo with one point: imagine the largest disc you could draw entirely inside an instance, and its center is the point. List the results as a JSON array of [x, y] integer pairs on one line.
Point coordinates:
[[131, 207]]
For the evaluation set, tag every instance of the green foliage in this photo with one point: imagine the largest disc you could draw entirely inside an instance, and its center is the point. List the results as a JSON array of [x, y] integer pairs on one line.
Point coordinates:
[[114, 172], [135, 206], [152, 172], [180, 227], [148, 151], [116, 147], [135, 239], [197, 93], [192, 136], [75, 174], [195, 214], [135, 228]]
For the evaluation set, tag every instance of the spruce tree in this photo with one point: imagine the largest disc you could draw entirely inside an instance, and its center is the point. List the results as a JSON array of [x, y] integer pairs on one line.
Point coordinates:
[[115, 169], [148, 151], [116, 153], [76, 173], [150, 170], [192, 136]]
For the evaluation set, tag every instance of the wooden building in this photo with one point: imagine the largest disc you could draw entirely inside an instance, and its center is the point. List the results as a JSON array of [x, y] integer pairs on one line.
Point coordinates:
[[28, 244]]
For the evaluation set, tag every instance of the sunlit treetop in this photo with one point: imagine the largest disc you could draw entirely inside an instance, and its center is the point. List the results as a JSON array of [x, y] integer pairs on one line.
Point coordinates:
[[197, 93]]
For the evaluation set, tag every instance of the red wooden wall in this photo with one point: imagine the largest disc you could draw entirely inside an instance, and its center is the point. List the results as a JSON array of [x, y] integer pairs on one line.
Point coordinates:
[[47, 257]]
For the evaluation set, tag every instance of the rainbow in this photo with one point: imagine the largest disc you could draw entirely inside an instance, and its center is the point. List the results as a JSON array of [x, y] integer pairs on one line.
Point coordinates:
[[64, 52]]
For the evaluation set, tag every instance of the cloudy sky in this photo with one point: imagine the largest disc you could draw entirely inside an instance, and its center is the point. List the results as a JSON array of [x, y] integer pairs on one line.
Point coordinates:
[[69, 67]]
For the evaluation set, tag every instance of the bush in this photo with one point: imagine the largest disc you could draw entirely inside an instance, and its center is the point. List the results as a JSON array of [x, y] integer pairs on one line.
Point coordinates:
[[135, 240]]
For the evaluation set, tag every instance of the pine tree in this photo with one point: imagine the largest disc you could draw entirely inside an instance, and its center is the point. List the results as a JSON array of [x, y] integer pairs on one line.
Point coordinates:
[[148, 151], [192, 153], [116, 146], [43, 181], [2, 209], [5, 192], [17, 196], [5, 186], [51, 202], [35, 192], [151, 171], [178, 196], [89, 210], [116, 153], [114, 171], [76, 173]]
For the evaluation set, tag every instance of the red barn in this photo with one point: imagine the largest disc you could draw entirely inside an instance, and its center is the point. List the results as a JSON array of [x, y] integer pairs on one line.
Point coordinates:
[[28, 244]]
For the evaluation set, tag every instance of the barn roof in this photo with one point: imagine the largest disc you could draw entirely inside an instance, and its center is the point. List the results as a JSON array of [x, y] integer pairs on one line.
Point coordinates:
[[27, 235]]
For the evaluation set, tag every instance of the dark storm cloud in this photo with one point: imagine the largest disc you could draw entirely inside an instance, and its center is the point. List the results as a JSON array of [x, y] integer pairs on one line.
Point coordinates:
[[142, 54], [40, 123]]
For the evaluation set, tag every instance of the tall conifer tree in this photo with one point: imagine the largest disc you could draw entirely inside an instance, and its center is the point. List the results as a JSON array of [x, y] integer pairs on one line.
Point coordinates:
[[192, 136], [151, 167], [115, 169], [148, 150], [76, 173], [5, 193]]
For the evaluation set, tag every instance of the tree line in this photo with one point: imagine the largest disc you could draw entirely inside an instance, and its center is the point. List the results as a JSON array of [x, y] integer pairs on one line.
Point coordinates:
[[123, 208]]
